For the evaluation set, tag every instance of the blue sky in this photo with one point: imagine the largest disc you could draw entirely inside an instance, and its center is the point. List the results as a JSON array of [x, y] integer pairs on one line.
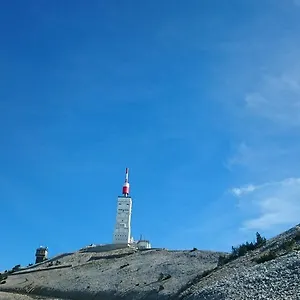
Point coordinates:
[[200, 99]]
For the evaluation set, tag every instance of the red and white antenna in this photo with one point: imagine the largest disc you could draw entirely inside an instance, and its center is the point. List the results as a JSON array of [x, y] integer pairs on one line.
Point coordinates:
[[126, 183]]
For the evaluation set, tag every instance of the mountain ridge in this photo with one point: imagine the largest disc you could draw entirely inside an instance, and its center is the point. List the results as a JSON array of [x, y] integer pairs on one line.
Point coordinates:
[[165, 274]]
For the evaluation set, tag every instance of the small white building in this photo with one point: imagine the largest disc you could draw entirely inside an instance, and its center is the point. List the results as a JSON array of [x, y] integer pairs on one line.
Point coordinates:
[[143, 244]]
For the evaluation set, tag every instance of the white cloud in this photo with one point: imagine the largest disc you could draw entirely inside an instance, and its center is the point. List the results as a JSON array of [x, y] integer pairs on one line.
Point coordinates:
[[243, 190], [271, 204], [261, 92], [297, 2], [265, 158], [268, 151], [277, 99], [243, 156], [255, 100], [268, 127]]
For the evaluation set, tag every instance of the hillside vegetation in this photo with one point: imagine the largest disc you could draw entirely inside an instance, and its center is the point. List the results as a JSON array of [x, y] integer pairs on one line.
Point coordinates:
[[256, 270]]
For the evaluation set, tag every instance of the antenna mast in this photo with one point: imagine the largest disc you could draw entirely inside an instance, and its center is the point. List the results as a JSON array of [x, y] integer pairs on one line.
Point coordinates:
[[126, 183]]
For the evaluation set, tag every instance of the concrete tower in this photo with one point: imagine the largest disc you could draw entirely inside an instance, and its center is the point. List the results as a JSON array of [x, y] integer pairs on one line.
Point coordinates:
[[122, 232]]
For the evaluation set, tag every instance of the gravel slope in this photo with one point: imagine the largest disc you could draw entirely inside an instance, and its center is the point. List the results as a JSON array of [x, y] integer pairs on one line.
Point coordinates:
[[244, 278], [162, 274]]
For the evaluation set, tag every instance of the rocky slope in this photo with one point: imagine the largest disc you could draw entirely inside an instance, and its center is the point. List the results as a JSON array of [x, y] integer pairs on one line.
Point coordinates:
[[270, 272]]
